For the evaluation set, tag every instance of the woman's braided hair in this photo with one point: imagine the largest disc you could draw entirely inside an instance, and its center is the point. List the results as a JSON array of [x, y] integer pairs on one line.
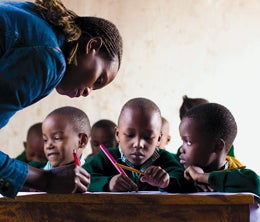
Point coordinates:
[[75, 28]]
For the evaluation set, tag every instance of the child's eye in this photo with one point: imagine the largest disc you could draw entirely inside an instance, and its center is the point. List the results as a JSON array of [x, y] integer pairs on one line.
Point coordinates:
[[57, 138], [148, 138], [99, 82], [188, 143], [129, 135]]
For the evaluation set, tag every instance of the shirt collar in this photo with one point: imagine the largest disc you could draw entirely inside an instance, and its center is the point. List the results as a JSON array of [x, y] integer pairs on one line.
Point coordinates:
[[146, 164]]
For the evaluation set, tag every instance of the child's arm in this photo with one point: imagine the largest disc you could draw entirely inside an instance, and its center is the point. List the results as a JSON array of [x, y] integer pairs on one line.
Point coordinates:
[[238, 180], [196, 174], [156, 176]]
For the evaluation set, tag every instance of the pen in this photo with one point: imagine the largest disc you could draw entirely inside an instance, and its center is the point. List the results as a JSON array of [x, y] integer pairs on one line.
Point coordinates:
[[129, 168], [76, 158], [112, 160]]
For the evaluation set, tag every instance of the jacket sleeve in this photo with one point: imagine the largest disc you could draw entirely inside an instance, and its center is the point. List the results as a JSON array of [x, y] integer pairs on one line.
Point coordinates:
[[101, 171], [244, 180], [13, 174]]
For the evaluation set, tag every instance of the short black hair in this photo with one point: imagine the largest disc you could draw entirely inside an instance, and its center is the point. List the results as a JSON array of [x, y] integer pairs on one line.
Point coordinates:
[[78, 118], [215, 121]]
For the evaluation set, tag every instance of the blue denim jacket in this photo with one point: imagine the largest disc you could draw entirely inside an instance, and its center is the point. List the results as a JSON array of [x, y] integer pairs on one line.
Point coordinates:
[[31, 66], [31, 61], [13, 174]]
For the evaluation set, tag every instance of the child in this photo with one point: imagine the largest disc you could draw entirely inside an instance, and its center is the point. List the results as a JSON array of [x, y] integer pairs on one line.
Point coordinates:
[[189, 103], [208, 131], [165, 134], [102, 132], [138, 134], [33, 146], [65, 129]]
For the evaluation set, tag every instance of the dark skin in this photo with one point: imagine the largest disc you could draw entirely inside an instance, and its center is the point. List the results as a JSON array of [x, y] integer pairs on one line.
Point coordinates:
[[65, 179], [200, 154], [100, 136], [138, 134], [93, 72], [34, 147]]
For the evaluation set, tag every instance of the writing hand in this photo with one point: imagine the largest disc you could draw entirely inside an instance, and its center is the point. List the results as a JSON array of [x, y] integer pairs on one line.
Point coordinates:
[[122, 183]]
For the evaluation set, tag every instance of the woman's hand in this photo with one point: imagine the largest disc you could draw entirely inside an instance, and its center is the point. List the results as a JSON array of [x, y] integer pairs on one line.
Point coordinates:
[[64, 179]]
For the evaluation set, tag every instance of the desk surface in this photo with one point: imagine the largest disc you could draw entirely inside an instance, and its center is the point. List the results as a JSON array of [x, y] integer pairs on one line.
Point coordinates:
[[127, 207]]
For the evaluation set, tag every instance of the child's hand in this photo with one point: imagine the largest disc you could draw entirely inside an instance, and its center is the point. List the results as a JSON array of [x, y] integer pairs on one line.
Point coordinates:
[[68, 179], [122, 183], [199, 177], [193, 173], [156, 176]]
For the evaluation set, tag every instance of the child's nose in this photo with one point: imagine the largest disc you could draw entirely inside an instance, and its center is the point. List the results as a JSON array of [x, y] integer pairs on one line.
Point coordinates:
[[139, 143], [49, 145], [86, 91]]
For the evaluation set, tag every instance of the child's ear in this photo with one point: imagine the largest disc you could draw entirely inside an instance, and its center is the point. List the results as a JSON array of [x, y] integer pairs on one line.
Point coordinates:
[[220, 145], [25, 145], [94, 44], [159, 139], [116, 134], [83, 140], [168, 138]]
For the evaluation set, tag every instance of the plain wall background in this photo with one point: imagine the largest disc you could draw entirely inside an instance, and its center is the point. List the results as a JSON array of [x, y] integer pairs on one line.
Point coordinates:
[[203, 48]]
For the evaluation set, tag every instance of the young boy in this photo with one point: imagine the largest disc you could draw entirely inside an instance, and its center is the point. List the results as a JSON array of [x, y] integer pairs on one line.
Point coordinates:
[[33, 146], [208, 132], [187, 104], [138, 133], [65, 129], [102, 132], [165, 133]]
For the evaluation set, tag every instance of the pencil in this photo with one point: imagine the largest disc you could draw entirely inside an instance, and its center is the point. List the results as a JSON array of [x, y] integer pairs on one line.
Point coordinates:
[[76, 158], [129, 168], [112, 160]]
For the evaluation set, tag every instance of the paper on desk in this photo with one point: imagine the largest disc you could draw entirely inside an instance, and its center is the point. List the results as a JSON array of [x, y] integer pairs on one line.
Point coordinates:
[[132, 192]]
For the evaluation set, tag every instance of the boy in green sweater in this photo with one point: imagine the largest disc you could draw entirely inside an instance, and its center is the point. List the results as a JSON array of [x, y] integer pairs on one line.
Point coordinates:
[[138, 133], [208, 132]]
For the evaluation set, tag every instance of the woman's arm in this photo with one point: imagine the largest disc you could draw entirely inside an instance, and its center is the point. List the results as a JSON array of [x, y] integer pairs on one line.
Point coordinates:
[[65, 179]]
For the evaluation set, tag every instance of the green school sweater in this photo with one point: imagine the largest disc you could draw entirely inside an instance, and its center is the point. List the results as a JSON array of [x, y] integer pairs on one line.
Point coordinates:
[[102, 170], [239, 180]]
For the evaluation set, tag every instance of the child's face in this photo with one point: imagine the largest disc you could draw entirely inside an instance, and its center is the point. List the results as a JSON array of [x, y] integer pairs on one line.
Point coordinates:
[[197, 149], [34, 148], [100, 136], [59, 140], [92, 72], [138, 134]]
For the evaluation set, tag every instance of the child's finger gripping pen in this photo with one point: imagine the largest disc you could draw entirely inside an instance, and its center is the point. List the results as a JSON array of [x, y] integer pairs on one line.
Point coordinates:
[[76, 158], [112, 160]]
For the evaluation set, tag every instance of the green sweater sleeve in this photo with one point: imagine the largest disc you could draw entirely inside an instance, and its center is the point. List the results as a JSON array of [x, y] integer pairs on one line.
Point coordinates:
[[244, 180], [101, 170]]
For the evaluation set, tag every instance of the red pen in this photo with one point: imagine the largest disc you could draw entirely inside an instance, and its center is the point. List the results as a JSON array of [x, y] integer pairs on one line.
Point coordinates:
[[76, 158]]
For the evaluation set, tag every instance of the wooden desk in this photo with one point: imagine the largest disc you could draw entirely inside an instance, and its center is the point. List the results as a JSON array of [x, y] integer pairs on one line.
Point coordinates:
[[127, 207]]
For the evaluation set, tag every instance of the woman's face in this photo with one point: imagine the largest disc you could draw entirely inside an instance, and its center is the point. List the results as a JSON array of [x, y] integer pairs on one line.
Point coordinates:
[[92, 72]]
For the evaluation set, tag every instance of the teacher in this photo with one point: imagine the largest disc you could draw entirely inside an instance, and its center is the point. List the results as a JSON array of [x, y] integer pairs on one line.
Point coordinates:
[[44, 46]]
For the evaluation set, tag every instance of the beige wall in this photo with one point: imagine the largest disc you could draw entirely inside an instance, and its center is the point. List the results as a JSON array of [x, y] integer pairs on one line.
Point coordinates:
[[201, 48]]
